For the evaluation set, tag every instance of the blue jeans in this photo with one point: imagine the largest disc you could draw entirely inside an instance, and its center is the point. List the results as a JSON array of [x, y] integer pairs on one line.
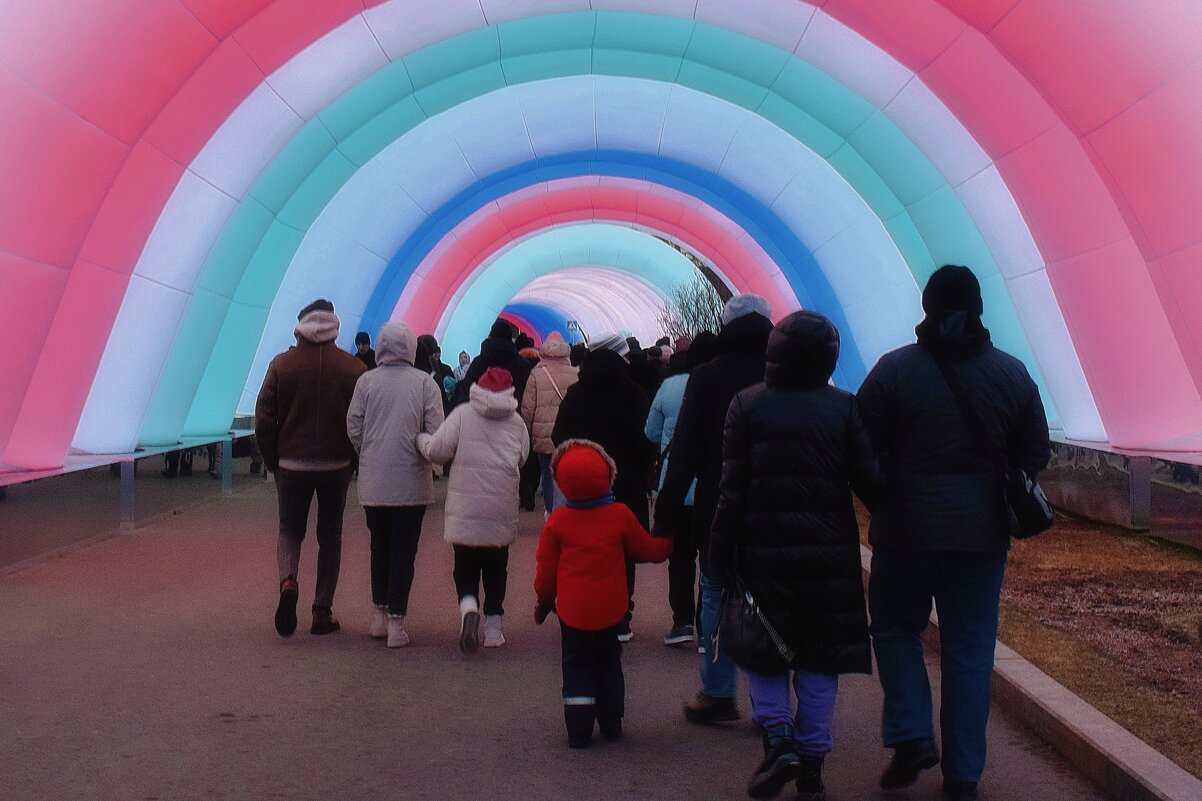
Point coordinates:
[[811, 722], [717, 676], [550, 492], [965, 588]]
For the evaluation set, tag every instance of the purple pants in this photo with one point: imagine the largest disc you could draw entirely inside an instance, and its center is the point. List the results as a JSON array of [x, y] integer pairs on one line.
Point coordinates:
[[811, 723]]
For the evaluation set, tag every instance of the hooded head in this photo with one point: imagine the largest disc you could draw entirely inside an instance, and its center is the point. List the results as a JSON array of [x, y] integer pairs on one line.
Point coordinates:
[[952, 302], [579, 351], [464, 358], [743, 305], [952, 288], [492, 396], [501, 330], [430, 342], [583, 470], [317, 323], [610, 341], [802, 352], [395, 344], [554, 347], [703, 348]]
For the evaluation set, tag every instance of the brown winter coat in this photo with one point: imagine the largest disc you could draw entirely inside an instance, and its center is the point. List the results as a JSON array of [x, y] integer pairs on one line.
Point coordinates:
[[540, 404], [301, 411]]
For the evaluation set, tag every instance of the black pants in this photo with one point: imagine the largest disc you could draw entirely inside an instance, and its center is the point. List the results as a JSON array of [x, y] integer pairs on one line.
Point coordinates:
[[593, 685], [295, 490], [394, 534], [487, 565], [682, 575], [642, 513]]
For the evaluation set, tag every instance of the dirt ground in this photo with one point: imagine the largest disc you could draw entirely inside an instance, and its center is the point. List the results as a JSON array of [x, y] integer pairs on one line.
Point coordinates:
[[1114, 617]]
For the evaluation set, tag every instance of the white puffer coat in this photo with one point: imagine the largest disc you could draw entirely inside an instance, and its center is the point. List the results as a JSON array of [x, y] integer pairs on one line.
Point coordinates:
[[488, 441], [392, 404], [549, 382]]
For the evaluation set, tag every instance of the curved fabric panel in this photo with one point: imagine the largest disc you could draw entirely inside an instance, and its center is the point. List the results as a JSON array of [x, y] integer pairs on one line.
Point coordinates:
[[921, 34], [643, 259], [286, 236], [597, 300]]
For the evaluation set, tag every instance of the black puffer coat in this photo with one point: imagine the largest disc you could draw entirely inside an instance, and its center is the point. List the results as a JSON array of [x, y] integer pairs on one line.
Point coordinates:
[[794, 450], [944, 493], [495, 352], [697, 444], [607, 407]]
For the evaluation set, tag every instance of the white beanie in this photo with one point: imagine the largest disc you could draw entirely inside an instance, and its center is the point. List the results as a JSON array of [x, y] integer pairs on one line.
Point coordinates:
[[610, 341], [743, 305]]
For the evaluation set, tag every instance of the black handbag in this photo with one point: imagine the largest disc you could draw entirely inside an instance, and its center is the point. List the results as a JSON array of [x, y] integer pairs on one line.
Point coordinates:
[[1029, 510], [747, 636]]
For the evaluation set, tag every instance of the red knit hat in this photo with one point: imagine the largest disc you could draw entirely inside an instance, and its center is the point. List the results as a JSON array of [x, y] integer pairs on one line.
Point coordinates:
[[496, 379], [583, 470]]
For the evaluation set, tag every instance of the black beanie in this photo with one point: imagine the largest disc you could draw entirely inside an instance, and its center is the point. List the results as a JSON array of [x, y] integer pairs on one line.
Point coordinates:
[[321, 304], [362, 338], [500, 330], [952, 287]]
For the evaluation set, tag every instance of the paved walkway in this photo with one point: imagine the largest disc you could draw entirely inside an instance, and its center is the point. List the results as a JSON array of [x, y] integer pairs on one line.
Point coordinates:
[[146, 667]]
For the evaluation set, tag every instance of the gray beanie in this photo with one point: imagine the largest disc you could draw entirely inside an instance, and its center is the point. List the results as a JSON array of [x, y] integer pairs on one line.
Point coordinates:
[[610, 341], [743, 305]]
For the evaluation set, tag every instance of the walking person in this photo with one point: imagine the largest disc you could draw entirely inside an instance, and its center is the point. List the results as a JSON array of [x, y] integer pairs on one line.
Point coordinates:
[[391, 406], [661, 431], [785, 533], [364, 351], [697, 455], [549, 382], [607, 407], [941, 532], [300, 425], [489, 443], [580, 575]]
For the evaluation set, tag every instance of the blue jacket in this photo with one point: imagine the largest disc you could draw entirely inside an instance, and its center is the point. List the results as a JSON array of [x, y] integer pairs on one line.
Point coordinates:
[[661, 421]]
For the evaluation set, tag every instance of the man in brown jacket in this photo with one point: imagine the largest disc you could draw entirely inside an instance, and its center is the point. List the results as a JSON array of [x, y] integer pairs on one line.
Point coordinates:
[[300, 425]]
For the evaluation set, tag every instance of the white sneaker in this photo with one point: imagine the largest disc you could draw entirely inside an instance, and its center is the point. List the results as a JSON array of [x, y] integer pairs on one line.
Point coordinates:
[[493, 638], [379, 622], [397, 636], [469, 633]]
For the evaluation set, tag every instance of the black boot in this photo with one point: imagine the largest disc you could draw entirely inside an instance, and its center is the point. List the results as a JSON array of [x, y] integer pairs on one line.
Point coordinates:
[[809, 783], [959, 791], [781, 764], [909, 759]]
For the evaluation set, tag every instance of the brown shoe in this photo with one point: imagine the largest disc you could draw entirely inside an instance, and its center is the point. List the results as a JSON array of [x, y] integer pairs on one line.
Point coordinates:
[[324, 621], [710, 709], [285, 612]]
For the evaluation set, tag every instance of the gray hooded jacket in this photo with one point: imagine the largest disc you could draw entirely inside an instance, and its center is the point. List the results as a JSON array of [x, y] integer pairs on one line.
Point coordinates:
[[391, 406]]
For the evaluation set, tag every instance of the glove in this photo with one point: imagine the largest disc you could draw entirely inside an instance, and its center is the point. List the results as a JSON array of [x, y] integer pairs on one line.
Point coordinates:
[[541, 611]]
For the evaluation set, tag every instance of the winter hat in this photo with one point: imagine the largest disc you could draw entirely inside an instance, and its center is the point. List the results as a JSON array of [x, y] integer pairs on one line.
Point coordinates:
[[496, 379], [743, 305], [554, 347], [583, 470], [362, 338], [321, 304], [500, 330], [701, 350], [952, 287], [529, 354], [802, 351], [610, 341]]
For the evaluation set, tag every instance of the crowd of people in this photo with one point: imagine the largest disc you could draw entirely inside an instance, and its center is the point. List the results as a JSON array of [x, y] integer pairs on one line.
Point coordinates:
[[730, 455]]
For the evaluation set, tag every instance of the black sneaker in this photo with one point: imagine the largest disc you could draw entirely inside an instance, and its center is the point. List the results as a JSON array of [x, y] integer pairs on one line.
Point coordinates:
[[469, 634], [624, 632], [285, 613], [809, 783], [959, 791], [579, 740], [781, 765], [709, 709], [909, 759], [680, 635], [610, 728]]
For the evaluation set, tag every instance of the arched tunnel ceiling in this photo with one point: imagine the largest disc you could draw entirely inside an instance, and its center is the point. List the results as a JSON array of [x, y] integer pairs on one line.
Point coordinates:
[[1044, 168]]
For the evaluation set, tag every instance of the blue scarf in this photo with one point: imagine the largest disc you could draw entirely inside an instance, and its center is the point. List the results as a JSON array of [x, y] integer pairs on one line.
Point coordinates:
[[592, 503]]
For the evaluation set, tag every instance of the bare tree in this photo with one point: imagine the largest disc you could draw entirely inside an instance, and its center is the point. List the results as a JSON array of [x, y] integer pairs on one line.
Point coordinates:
[[694, 307]]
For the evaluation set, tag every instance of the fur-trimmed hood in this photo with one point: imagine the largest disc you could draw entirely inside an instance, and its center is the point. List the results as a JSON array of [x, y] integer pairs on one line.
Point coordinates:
[[583, 470], [555, 347]]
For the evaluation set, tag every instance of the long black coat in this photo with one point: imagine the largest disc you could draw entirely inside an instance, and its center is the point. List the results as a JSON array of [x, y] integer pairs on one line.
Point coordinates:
[[944, 493], [697, 443], [495, 352], [610, 409], [794, 450]]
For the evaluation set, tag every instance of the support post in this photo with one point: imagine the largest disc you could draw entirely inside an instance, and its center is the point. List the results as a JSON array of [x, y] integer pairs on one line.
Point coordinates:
[[1139, 468], [226, 450], [127, 493]]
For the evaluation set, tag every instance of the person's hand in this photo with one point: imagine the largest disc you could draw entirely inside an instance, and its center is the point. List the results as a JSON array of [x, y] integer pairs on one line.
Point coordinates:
[[541, 611], [661, 532]]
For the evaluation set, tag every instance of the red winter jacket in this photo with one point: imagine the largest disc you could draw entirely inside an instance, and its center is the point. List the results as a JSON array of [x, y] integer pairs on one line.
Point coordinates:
[[581, 562]]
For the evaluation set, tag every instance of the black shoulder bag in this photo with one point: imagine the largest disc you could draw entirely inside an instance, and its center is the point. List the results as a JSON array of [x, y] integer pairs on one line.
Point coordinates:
[[1030, 512]]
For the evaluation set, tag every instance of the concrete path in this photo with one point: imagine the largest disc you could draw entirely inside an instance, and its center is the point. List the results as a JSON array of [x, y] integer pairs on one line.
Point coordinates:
[[146, 667]]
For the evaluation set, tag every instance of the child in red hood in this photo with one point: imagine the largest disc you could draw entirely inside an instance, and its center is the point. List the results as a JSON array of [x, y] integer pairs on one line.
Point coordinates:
[[581, 574]]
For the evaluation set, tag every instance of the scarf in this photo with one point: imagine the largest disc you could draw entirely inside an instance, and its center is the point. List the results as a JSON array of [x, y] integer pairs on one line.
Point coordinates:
[[592, 503]]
